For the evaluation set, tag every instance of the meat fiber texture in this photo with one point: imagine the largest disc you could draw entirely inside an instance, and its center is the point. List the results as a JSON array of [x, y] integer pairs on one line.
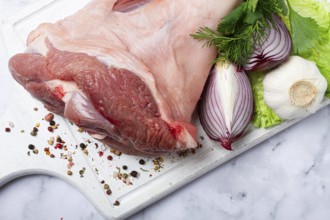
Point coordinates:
[[128, 72]]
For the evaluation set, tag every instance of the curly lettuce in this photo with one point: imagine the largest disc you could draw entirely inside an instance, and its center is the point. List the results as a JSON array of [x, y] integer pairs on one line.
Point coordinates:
[[263, 116]]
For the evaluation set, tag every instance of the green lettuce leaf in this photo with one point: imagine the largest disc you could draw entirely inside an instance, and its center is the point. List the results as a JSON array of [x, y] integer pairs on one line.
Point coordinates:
[[318, 11], [320, 53], [263, 115]]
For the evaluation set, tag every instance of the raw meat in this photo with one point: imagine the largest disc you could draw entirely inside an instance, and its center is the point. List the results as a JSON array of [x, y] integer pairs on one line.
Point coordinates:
[[128, 72]]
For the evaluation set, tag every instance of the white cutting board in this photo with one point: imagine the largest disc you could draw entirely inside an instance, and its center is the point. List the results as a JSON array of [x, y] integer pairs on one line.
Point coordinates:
[[17, 106]]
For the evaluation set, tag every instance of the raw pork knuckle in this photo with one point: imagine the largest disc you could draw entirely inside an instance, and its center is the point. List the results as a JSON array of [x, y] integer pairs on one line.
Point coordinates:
[[128, 72]]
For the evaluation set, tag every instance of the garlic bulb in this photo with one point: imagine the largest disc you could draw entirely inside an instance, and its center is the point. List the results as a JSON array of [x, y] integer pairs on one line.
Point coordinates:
[[295, 88]]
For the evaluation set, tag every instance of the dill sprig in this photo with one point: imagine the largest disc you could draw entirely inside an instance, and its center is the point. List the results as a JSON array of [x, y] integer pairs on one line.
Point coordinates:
[[241, 31]]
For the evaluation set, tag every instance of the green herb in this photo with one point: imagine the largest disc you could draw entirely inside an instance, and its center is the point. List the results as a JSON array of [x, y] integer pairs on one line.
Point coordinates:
[[233, 35], [320, 50], [305, 32], [144, 170], [244, 29]]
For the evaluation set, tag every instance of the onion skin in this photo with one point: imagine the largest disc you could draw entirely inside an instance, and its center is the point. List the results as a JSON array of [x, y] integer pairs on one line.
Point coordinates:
[[274, 50], [226, 106]]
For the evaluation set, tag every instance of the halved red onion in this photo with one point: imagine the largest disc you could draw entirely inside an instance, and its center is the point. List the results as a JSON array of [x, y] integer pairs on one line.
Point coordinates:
[[226, 105], [273, 50]]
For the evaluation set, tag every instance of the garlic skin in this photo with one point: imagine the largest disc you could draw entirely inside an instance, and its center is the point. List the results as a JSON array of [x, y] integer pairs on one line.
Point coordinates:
[[295, 88]]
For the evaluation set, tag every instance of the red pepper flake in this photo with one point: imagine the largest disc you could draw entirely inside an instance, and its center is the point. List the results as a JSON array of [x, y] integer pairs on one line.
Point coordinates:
[[58, 146], [109, 192], [100, 153], [50, 129], [7, 130], [110, 157]]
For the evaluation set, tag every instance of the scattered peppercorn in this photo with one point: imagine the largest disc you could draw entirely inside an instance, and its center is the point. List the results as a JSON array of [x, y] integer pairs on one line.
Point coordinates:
[[58, 146], [38, 125], [31, 146], [109, 192], [59, 139], [100, 153], [106, 186], [102, 182], [80, 129], [50, 142], [35, 109], [35, 151], [118, 153], [117, 203], [50, 129], [82, 146], [134, 173], [125, 175], [7, 130], [69, 172], [49, 117], [110, 157], [125, 167], [35, 129], [142, 162], [52, 156]]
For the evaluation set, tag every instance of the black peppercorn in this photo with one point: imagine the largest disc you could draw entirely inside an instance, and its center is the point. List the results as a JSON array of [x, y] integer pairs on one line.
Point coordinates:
[[82, 146], [134, 174], [31, 146], [142, 162]]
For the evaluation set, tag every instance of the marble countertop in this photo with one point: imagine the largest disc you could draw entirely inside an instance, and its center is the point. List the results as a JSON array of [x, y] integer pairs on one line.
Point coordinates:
[[285, 177]]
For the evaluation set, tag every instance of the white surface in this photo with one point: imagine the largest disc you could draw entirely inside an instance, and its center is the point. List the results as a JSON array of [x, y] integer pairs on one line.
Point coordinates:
[[254, 186]]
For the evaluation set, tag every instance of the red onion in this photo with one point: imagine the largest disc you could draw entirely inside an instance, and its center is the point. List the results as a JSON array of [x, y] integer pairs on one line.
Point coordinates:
[[226, 106], [274, 50]]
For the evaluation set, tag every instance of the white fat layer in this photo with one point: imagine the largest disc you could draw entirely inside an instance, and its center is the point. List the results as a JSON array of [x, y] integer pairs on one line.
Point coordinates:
[[68, 88], [71, 88], [98, 136], [109, 61], [227, 88], [39, 45], [186, 141]]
